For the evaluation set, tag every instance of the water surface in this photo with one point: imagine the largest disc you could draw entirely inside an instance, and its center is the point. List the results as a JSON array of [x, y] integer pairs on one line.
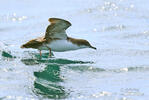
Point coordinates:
[[117, 70]]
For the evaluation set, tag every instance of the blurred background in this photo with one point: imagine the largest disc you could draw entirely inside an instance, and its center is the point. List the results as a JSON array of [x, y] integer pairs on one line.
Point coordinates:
[[117, 70]]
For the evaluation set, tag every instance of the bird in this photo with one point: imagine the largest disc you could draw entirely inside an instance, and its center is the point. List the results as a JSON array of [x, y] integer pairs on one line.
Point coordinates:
[[56, 39]]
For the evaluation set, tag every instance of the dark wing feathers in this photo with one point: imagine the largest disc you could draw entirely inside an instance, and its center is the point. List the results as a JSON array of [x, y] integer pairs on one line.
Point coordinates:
[[57, 28], [57, 20]]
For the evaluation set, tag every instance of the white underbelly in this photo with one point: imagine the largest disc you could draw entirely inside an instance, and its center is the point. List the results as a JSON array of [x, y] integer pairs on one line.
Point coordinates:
[[62, 45]]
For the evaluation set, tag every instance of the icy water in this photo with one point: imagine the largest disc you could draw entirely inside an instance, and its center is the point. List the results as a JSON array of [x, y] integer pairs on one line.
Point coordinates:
[[117, 70]]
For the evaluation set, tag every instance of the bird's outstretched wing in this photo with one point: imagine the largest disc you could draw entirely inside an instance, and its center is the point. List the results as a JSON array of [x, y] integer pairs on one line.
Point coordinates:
[[57, 28]]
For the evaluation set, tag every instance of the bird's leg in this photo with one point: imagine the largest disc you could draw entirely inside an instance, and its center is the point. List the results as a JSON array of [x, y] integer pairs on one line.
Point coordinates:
[[50, 54]]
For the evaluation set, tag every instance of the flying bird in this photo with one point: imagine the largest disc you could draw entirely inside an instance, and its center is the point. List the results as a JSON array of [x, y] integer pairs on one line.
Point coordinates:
[[56, 39]]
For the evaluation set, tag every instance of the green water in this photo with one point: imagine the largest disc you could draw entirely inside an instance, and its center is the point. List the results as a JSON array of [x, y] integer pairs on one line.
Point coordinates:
[[51, 88], [47, 83]]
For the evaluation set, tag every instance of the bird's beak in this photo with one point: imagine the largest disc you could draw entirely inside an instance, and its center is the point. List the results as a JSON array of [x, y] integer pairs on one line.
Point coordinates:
[[93, 48]]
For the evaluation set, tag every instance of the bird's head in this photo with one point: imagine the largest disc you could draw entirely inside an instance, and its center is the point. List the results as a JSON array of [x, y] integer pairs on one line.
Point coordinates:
[[86, 44]]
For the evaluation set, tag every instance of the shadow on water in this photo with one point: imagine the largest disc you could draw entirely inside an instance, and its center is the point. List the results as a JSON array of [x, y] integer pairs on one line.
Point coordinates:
[[7, 55], [47, 83], [32, 61], [46, 59]]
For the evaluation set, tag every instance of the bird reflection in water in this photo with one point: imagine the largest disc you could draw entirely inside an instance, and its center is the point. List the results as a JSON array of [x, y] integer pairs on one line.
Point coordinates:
[[48, 81]]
